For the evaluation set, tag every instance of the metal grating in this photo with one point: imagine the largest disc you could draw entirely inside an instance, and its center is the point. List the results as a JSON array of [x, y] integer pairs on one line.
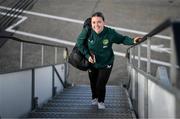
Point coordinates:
[[75, 102]]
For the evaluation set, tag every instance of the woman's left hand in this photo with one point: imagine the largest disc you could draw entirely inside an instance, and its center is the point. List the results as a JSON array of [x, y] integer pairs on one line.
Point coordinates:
[[137, 39]]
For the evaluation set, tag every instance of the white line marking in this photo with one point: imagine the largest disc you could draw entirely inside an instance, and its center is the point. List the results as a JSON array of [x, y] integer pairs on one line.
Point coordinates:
[[81, 22], [158, 48], [23, 18], [16, 24], [42, 37], [145, 59], [140, 32]]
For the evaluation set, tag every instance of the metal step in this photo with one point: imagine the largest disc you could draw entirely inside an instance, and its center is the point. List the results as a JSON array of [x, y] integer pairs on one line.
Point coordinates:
[[89, 97], [75, 102], [116, 101], [123, 105], [89, 92], [92, 109], [80, 115]]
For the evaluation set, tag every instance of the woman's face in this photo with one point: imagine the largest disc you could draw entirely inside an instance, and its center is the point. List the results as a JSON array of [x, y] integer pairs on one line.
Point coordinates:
[[97, 24]]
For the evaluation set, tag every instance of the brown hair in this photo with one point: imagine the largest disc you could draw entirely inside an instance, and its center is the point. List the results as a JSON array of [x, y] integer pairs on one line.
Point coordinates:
[[98, 14]]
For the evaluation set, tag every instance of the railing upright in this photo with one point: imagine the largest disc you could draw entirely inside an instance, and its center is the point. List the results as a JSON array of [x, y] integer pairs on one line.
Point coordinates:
[[143, 82]]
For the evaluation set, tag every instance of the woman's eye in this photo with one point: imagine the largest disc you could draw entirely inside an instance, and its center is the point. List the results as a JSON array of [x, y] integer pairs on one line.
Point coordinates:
[[99, 22]]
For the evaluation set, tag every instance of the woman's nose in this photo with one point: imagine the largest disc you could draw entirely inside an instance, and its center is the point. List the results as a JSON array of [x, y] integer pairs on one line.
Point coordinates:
[[96, 25]]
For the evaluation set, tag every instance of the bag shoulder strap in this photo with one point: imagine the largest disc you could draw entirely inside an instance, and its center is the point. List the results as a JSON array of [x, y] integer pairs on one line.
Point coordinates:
[[87, 24]]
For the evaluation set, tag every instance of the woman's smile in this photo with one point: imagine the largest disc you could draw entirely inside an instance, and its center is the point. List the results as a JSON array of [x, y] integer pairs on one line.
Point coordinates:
[[97, 24]]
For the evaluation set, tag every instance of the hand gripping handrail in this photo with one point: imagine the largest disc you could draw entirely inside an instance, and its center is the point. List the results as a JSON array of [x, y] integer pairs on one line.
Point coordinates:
[[175, 54], [155, 31]]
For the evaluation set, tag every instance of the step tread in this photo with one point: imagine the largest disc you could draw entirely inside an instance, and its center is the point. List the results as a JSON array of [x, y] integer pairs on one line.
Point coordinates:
[[91, 110], [80, 115], [75, 102]]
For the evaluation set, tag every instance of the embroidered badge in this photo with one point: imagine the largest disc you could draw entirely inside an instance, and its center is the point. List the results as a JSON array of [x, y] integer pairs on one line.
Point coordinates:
[[105, 41]]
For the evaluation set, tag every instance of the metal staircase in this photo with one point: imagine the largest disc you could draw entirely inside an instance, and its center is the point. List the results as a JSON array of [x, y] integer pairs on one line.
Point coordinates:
[[75, 102]]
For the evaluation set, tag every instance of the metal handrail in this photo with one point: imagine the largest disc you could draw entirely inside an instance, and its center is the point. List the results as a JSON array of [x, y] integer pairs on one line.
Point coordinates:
[[37, 43], [34, 99], [155, 31], [167, 23], [164, 25], [140, 79]]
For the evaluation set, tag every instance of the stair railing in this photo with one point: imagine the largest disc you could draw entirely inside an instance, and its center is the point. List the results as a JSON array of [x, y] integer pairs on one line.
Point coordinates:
[[42, 49], [54, 69], [65, 55], [142, 82]]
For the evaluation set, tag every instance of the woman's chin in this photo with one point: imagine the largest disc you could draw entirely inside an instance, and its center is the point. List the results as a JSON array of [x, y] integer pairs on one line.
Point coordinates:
[[98, 31]]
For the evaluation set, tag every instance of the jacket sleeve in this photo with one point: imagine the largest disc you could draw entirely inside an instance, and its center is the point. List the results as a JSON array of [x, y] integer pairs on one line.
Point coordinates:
[[81, 40], [118, 38]]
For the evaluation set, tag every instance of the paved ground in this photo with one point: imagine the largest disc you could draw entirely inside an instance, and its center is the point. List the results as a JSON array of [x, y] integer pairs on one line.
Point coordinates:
[[63, 21]]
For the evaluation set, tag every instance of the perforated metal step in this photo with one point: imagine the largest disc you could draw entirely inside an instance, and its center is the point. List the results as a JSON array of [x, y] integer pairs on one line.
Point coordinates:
[[75, 102]]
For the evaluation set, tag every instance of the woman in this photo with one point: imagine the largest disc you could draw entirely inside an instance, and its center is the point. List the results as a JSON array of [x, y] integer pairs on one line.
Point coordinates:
[[100, 54]]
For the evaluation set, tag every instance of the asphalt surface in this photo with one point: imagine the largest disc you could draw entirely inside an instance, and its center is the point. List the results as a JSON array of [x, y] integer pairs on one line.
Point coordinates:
[[63, 21]]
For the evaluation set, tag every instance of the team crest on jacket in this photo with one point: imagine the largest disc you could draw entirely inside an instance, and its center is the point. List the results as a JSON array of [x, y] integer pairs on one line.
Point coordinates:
[[105, 41]]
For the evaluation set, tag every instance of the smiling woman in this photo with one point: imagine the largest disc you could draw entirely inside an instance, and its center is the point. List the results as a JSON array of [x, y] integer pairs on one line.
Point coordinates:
[[98, 22], [100, 54]]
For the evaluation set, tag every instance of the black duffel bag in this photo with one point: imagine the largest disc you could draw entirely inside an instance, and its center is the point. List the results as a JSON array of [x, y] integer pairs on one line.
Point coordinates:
[[78, 60]]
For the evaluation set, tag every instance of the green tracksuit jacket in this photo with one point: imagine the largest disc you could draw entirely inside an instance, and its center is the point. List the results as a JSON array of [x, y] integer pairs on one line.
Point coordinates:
[[101, 45]]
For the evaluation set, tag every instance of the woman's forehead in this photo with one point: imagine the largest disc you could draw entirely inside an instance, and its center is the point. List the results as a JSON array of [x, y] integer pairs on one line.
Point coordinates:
[[96, 18]]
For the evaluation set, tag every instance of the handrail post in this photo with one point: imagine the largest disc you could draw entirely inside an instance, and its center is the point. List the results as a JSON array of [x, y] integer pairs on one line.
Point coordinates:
[[65, 55], [130, 54], [21, 54], [53, 83], [149, 55], [55, 55], [139, 56], [42, 55], [133, 81], [173, 61], [132, 57], [146, 81]]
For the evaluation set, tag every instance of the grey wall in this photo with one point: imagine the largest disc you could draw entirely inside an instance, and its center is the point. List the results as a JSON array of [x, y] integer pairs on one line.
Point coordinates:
[[16, 90]]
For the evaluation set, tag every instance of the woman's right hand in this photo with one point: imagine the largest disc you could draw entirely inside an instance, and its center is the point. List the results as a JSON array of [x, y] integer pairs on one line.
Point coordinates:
[[92, 59]]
